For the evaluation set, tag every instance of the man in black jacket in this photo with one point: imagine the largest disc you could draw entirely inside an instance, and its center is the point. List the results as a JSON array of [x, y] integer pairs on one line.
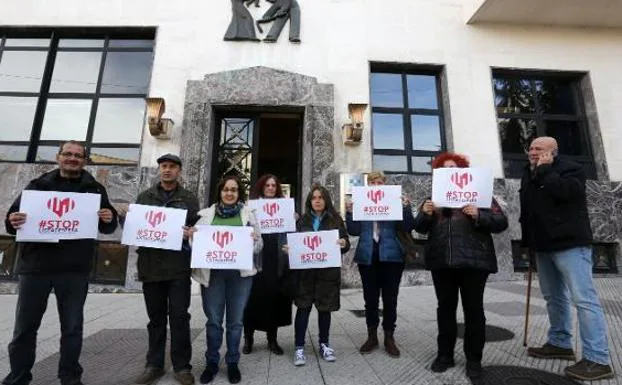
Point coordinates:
[[166, 280], [62, 266], [555, 225]]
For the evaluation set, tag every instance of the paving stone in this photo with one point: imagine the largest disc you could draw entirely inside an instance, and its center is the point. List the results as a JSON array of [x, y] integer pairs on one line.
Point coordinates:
[[116, 340]]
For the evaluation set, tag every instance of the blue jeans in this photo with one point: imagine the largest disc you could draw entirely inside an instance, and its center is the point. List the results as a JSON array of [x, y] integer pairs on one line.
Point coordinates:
[[70, 290], [227, 289], [565, 275]]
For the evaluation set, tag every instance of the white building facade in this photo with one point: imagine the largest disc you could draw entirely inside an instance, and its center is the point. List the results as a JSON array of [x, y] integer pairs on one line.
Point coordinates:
[[479, 77]]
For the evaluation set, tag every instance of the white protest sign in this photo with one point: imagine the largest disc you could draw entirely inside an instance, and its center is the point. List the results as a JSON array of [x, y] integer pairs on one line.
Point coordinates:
[[54, 215], [222, 247], [314, 250], [153, 226], [377, 203], [458, 187], [274, 215]]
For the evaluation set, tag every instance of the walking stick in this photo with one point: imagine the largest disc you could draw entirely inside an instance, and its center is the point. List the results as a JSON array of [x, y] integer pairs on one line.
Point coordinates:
[[529, 276]]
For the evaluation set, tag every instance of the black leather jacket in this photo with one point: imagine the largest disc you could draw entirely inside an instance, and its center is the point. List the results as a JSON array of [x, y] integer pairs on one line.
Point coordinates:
[[455, 240]]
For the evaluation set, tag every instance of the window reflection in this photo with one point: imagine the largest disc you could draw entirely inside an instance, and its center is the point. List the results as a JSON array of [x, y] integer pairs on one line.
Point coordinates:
[[13, 153], [390, 163], [513, 96], [388, 131], [422, 91], [127, 72], [386, 90], [81, 43], [16, 42], [568, 136], [426, 132], [66, 119], [16, 116], [555, 97], [21, 71], [78, 68], [121, 156], [531, 105], [130, 43], [422, 164], [119, 120], [516, 134], [46, 153], [76, 72]]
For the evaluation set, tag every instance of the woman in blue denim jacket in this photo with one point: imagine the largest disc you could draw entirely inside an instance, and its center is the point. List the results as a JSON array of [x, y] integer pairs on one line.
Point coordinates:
[[380, 260]]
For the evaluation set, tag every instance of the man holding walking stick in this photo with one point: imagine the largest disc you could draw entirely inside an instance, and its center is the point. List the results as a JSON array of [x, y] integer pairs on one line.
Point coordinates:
[[555, 225]]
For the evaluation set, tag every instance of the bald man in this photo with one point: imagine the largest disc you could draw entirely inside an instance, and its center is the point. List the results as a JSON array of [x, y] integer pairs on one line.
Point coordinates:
[[555, 225]]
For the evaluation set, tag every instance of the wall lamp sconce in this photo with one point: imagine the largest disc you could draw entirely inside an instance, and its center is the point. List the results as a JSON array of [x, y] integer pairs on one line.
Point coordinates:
[[159, 127], [353, 130]]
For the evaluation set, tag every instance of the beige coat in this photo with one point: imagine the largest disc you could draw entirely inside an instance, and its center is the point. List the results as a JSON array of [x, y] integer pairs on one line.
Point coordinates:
[[249, 219]]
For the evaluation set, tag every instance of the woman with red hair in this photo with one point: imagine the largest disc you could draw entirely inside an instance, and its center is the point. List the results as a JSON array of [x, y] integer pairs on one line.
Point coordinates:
[[268, 307], [460, 254]]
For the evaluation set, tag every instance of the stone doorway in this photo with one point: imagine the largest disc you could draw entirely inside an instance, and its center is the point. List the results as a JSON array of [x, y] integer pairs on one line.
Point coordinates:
[[266, 89]]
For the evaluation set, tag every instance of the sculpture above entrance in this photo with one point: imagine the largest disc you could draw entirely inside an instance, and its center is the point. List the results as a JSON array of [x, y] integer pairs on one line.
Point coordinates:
[[242, 25]]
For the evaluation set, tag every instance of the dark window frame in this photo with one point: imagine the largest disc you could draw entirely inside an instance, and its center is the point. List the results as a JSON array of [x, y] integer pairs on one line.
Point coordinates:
[[540, 118], [44, 94], [407, 112]]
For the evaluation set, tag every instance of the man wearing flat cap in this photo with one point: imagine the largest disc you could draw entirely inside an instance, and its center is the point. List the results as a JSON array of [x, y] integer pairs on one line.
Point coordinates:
[[166, 280]]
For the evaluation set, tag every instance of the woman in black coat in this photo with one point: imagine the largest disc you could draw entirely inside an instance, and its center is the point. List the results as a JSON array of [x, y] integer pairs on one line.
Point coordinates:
[[268, 307], [319, 287], [460, 253]]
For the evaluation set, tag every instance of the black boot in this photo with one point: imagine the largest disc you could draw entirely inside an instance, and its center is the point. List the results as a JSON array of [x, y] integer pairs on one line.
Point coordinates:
[[233, 373], [248, 342], [371, 343], [273, 345]]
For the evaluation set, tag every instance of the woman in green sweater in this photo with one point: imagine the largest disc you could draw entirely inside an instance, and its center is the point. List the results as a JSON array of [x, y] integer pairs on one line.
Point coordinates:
[[228, 289]]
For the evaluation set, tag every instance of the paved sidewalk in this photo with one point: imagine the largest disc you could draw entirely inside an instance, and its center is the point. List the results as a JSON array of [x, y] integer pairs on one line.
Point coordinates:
[[115, 341]]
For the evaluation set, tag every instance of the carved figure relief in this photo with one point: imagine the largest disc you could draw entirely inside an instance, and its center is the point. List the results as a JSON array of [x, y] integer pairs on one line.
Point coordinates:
[[242, 25]]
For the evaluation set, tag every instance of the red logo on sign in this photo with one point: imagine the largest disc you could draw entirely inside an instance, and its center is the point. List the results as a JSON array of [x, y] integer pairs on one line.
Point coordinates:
[[61, 206], [375, 195], [271, 208], [461, 179], [312, 242], [154, 218], [222, 238]]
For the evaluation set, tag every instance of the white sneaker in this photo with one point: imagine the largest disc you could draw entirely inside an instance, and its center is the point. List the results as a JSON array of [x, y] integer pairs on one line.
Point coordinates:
[[328, 354], [299, 357]]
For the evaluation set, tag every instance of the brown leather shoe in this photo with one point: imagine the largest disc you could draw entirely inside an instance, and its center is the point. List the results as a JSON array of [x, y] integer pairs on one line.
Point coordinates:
[[371, 343], [548, 351], [185, 377], [389, 344], [587, 370], [149, 376]]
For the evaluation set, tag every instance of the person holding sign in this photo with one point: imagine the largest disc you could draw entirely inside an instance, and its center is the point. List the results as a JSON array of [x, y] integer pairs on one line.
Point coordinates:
[[268, 306], [63, 266], [319, 287], [460, 253], [380, 260], [166, 279], [226, 289]]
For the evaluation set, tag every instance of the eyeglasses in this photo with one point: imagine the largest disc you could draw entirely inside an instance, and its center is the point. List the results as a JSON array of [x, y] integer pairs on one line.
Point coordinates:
[[76, 155], [231, 190]]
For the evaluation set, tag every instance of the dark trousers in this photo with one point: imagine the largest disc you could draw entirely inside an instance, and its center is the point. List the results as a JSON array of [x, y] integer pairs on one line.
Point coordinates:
[[271, 333], [381, 278], [301, 323], [470, 284], [168, 300], [70, 291]]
